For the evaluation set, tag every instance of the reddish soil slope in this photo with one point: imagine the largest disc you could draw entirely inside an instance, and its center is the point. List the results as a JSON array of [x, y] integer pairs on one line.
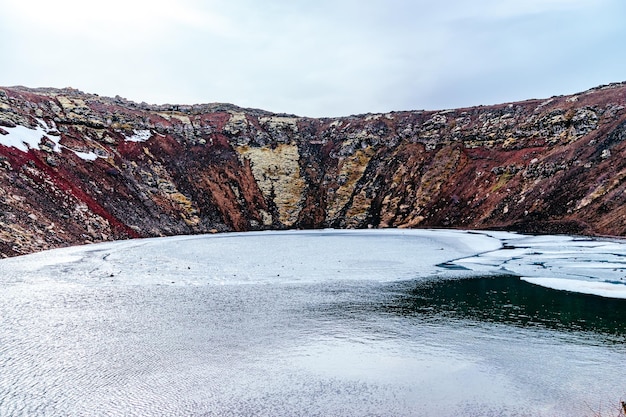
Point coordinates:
[[76, 167]]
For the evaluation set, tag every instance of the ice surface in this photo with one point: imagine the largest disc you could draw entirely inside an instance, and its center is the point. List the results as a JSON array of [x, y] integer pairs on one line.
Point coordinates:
[[315, 256], [602, 289], [577, 264], [246, 258]]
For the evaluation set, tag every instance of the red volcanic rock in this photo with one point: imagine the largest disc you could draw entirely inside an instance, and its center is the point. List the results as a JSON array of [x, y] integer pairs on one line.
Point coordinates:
[[77, 168]]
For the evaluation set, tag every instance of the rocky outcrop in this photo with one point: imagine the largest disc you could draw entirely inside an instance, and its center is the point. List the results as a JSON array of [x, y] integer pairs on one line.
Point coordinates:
[[77, 167]]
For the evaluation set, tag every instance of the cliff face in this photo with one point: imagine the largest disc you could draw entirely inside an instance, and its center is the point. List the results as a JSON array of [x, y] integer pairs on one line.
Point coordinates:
[[77, 167]]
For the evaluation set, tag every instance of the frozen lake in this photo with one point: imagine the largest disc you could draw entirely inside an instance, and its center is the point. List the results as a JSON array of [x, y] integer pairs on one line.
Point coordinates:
[[319, 323]]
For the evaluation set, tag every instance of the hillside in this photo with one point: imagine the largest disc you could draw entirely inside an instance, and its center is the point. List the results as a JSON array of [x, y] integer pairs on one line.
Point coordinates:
[[77, 167]]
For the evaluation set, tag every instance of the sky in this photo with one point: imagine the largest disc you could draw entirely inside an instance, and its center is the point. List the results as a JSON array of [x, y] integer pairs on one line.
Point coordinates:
[[322, 58]]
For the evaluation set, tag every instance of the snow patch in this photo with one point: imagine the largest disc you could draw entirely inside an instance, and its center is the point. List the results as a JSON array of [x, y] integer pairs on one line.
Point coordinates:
[[87, 156], [139, 136], [24, 138]]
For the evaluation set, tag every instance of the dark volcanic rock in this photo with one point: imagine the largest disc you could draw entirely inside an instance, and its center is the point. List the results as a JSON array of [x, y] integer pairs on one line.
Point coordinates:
[[78, 167]]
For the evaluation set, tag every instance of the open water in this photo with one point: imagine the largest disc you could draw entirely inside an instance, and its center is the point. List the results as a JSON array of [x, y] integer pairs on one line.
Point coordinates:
[[74, 342]]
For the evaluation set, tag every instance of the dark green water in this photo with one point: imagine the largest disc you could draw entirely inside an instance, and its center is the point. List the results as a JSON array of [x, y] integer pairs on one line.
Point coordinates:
[[511, 301]]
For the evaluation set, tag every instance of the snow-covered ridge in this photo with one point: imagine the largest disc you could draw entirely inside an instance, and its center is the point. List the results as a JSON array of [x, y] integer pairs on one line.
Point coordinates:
[[574, 264]]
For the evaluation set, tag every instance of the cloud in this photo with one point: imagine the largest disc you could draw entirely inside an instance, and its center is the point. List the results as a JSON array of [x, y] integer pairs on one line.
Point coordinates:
[[318, 58], [112, 21]]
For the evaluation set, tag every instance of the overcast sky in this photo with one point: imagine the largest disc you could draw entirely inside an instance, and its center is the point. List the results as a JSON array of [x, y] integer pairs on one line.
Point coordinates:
[[315, 58]]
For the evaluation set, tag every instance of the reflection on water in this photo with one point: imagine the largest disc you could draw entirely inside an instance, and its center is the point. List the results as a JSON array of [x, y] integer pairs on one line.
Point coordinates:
[[326, 349], [481, 346], [509, 300], [287, 325]]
